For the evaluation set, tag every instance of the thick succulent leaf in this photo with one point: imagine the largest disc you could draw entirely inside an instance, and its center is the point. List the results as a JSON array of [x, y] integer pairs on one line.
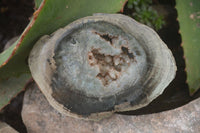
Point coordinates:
[[11, 87], [189, 19], [51, 15]]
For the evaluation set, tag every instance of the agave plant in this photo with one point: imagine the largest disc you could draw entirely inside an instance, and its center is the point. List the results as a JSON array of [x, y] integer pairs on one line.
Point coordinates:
[[189, 19]]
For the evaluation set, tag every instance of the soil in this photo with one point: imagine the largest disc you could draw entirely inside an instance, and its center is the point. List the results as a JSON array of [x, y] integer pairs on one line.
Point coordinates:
[[14, 17]]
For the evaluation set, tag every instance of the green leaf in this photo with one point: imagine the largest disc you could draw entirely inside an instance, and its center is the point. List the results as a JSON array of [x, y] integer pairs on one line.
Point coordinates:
[[11, 87], [189, 19], [51, 15]]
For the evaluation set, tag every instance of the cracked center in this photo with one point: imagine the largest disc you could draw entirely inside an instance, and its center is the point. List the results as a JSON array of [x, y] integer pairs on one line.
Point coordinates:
[[110, 66], [98, 59]]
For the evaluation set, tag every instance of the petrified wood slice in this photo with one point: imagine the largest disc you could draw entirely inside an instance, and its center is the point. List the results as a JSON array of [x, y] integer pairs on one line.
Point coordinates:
[[101, 64]]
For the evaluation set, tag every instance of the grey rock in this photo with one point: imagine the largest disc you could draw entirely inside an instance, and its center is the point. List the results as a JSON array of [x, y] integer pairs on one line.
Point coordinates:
[[40, 117], [5, 128]]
